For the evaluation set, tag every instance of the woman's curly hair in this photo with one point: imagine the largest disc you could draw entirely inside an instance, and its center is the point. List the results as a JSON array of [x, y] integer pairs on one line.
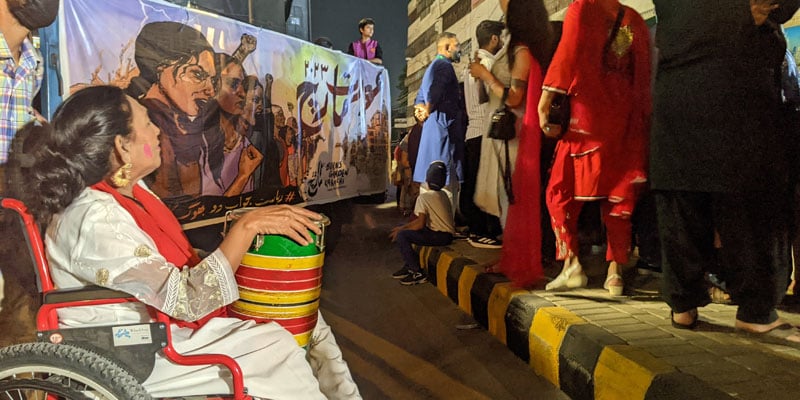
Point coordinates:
[[51, 163]]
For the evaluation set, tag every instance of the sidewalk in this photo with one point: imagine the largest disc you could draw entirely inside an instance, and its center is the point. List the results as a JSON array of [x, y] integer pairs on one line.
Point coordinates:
[[595, 346]]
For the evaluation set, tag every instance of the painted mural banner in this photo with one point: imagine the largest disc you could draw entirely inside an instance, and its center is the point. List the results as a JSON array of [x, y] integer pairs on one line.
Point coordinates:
[[248, 117]]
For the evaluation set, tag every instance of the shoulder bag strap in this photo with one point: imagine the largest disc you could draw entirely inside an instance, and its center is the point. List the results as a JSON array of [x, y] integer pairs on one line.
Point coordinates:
[[613, 36]]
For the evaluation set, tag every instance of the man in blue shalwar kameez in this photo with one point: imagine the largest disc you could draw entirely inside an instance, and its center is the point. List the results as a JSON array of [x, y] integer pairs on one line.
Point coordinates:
[[439, 105]]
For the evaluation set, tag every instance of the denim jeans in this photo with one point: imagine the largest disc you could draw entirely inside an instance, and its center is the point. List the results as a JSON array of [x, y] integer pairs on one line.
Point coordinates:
[[422, 237]]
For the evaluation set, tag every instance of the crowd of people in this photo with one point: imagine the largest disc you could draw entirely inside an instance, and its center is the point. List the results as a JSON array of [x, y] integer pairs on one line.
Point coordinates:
[[683, 143]]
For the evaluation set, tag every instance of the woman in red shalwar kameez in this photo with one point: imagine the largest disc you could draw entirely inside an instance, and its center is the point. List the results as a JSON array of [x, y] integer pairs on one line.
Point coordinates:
[[603, 154]]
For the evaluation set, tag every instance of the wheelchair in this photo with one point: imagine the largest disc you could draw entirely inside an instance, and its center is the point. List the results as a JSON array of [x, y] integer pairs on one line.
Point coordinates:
[[104, 362]]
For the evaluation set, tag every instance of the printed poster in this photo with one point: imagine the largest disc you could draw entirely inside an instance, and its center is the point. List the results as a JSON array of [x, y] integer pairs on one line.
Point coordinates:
[[248, 117]]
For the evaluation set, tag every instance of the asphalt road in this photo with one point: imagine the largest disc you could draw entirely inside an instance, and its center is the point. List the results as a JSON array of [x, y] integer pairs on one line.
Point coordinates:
[[401, 342]]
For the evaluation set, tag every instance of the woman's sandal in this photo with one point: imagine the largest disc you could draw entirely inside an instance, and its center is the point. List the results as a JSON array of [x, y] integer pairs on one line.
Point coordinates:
[[614, 290], [690, 326], [568, 279], [719, 296]]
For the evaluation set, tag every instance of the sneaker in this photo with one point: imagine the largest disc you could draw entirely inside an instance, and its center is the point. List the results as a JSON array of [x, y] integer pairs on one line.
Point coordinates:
[[401, 273], [413, 278], [459, 235], [484, 242]]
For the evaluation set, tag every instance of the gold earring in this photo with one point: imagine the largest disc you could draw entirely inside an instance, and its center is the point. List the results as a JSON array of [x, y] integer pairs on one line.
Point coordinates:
[[122, 177]]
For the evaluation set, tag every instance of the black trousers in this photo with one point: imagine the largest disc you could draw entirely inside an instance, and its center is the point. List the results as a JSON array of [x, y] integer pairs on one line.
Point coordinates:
[[645, 229], [479, 222], [754, 230]]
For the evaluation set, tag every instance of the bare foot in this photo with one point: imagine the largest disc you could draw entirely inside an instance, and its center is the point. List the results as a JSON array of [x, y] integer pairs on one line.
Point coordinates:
[[761, 328], [688, 318]]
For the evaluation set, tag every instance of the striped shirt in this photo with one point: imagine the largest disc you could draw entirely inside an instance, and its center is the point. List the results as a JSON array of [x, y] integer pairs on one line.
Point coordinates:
[[18, 86], [479, 113]]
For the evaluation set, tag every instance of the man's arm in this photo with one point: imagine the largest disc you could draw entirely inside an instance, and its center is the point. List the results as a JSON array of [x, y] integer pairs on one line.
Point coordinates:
[[442, 72], [416, 224]]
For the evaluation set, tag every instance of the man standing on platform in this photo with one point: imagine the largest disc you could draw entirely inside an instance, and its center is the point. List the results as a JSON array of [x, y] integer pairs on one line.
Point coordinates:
[[484, 228], [438, 105]]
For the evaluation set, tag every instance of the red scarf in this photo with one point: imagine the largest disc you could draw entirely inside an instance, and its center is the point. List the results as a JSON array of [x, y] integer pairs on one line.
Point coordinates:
[[155, 219]]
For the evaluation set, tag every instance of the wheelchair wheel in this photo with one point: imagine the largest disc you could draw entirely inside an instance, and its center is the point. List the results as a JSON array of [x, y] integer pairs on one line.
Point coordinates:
[[23, 389], [47, 367]]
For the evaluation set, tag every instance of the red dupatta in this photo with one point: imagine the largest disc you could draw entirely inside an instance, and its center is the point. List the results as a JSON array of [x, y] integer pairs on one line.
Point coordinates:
[[155, 219]]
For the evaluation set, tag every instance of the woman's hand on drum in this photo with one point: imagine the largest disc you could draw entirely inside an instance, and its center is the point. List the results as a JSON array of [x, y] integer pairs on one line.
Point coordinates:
[[291, 221]]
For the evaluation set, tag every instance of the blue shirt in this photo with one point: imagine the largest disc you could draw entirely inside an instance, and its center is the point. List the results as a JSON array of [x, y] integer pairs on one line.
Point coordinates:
[[19, 84]]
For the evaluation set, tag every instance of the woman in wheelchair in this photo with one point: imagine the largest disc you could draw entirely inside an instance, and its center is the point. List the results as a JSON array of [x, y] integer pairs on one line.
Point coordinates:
[[81, 178]]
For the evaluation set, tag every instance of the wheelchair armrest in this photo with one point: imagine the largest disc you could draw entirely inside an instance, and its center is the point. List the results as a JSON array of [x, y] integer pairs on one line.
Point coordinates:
[[91, 292]]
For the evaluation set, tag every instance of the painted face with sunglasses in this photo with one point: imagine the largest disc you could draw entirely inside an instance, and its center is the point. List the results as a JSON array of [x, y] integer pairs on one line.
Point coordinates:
[[190, 85]]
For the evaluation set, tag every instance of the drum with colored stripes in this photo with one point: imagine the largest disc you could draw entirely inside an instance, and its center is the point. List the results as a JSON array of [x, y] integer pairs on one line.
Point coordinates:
[[280, 280]]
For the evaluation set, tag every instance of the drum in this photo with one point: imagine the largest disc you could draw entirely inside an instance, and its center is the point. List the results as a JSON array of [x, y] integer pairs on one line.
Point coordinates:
[[280, 280]]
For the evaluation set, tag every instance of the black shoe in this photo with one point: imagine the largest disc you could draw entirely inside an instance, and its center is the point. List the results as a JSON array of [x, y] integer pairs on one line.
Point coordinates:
[[485, 242], [401, 273], [414, 278]]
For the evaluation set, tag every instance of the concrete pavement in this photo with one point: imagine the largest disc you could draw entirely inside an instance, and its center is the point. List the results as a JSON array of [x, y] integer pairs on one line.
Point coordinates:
[[594, 346]]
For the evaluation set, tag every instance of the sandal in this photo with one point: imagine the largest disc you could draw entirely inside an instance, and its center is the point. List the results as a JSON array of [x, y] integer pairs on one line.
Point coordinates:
[[568, 279], [690, 326], [614, 290], [719, 296]]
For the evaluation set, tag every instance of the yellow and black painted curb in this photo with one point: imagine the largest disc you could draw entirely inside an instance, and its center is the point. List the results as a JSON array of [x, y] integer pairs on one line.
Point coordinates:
[[583, 360]]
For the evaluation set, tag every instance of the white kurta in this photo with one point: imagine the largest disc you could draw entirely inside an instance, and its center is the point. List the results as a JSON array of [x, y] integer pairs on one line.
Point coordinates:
[[96, 241], [490, 194]]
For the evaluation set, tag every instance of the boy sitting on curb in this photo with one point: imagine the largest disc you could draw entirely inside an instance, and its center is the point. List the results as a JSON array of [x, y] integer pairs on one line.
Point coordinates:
[[433, 225]]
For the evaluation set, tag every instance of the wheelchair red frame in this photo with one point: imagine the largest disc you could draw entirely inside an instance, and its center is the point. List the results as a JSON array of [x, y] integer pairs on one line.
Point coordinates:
[[47, 318]]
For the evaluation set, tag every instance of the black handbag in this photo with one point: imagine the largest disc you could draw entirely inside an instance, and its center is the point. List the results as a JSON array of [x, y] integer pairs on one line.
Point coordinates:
[[502, 127], [559, 113]]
